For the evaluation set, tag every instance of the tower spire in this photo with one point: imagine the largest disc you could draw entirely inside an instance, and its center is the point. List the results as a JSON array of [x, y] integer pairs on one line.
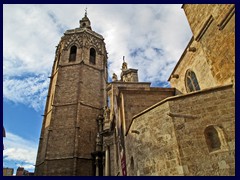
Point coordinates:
[[85, 22], [86, 11]]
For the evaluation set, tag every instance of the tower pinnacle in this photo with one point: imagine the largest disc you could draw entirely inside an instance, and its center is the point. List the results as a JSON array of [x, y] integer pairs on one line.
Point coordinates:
[[85, 22], [128, 74], [124, 64], [86, 12]]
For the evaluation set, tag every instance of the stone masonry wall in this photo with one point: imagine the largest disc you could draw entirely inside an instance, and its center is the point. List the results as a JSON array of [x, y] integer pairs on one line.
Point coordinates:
[[46, 119], [217, 37], [215, 107], [197, 14], [219, 46], [152, 145], [131, 99], [91, 87], [86, 167], [76, 97], [213, 62], [163, 144], [87, 131], [137, 100], [59, 167], [197, 62], [74, 118]]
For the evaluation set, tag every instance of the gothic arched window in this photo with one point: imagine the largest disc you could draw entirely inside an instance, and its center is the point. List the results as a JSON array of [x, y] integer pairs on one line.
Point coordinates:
[[191, 81], [92, 56], [215, 139], [73, 53]]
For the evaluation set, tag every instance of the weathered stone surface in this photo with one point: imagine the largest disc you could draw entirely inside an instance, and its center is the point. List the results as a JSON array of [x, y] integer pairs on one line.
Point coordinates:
[[77, 94], [155, 131], [184, 150], [214, 59]]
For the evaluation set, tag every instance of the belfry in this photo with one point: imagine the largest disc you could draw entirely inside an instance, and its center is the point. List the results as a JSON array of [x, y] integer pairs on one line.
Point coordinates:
[[76, 97]]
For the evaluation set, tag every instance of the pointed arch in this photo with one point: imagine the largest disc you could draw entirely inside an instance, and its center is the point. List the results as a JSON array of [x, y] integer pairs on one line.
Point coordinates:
[[92, 58], [73, 53], [191, 81]]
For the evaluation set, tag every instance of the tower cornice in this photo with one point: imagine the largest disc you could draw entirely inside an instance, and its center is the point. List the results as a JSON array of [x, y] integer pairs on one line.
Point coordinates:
[[80, 30]]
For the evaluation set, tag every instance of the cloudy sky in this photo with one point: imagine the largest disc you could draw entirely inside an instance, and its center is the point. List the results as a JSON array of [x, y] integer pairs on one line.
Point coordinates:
[[152, 38]]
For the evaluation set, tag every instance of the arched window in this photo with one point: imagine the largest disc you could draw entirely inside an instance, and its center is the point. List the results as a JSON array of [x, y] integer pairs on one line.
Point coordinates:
[[191, 81], [92, 56], [215, 139], [73, 53]]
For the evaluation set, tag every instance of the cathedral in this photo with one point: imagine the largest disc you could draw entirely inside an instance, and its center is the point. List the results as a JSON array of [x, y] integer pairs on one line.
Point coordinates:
[[92, 127]]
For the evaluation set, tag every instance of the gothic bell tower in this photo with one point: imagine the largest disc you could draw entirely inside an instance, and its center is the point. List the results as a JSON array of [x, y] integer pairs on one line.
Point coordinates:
[[76, 97]]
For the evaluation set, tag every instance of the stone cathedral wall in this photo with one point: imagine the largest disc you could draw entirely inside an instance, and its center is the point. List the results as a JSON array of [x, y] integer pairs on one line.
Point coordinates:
[[176, 144], [213, 107], [213, 60]]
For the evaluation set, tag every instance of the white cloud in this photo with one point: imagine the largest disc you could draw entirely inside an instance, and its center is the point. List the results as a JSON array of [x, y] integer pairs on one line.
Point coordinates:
[[157, 34], [29, 39], [19, 149], [31, 91]]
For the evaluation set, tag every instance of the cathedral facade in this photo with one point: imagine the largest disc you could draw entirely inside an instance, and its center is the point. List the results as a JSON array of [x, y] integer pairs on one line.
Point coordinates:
[[92, 127]]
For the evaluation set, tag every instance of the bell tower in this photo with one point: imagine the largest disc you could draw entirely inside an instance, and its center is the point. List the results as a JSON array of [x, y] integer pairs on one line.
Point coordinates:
[[76, 97]]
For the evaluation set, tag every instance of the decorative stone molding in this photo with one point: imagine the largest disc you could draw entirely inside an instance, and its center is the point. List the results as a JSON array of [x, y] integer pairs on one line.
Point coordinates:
[[75, 39], [227, 17], [182, 115], [91, 41], [204, 28]]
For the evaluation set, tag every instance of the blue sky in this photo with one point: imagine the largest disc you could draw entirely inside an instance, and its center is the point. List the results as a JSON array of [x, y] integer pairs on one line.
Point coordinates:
[[151, 37]]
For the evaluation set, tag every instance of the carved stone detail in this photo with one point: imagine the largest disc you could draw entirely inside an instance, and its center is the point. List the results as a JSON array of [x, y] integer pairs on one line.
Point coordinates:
[[106, 115], [76, 39], [91, 41]]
